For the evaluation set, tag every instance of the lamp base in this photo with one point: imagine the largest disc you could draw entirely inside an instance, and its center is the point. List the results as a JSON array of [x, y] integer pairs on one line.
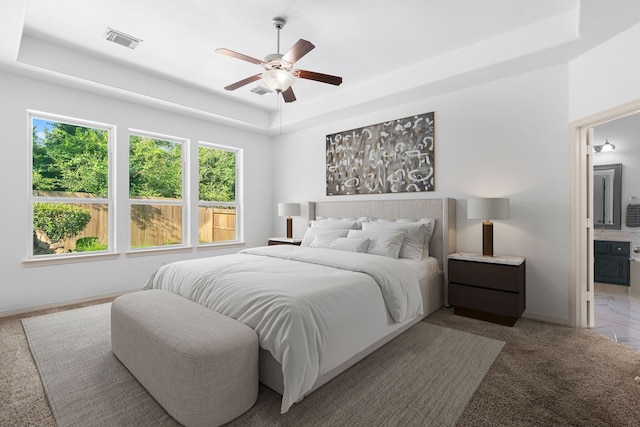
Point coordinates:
[[487, 238], [289, 227]]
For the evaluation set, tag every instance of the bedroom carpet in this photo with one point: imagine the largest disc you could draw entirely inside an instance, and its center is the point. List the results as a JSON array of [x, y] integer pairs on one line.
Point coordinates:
[[424, 377]]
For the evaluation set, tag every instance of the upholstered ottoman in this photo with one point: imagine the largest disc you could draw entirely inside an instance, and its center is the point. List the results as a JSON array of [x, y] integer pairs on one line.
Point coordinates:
[[201, 366]]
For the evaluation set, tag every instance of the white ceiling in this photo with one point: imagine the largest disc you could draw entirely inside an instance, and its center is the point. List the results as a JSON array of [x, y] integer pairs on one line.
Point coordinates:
[[386, 51]]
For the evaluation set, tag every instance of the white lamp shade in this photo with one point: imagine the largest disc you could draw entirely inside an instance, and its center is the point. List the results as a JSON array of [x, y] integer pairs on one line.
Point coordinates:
[[278, 80], [288, 209], [486, 209]]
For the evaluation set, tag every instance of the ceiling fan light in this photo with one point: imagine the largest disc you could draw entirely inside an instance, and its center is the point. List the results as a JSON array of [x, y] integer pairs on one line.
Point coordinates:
[[278, 80]]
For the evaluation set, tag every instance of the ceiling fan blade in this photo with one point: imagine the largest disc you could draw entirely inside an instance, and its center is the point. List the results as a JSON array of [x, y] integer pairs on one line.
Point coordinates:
[[243, 82], [237, 55], [297, 51], [319, 77], [288, 95]]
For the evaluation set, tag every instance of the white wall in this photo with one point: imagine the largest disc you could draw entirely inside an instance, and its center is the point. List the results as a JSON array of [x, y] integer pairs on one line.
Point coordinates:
[[502, 139], [22, 286], [605, 77]]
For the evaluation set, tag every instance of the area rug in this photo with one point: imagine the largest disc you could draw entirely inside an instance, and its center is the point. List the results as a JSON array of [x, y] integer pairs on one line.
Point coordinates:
[[426, 376]]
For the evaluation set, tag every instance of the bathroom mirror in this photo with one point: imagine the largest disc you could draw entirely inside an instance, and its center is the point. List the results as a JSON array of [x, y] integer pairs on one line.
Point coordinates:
[[607, 195]]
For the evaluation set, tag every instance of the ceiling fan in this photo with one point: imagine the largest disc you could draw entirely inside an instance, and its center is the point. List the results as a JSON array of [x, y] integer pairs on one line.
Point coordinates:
[[278, 74]]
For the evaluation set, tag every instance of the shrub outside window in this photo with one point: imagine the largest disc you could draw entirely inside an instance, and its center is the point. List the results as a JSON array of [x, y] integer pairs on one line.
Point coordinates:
[[156, 188], [70, 186], [217, 189]]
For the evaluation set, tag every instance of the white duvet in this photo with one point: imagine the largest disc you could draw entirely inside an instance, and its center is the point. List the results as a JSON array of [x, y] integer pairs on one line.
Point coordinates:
[[309, 307]]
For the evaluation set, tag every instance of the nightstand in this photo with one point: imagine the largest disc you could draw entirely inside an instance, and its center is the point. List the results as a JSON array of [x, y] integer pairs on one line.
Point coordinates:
[[487, 288], [284, 241]]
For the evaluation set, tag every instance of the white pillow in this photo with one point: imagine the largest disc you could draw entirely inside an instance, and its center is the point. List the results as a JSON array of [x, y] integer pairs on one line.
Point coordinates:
[[325, 242], [384, 243], [351, 244], [311, 233], [429, 222], [431, 225], [341, 224], [413, 236]]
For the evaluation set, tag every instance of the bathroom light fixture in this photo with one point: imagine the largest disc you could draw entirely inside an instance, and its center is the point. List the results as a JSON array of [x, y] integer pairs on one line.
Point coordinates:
[[606, 147], [289, 210], [487, 209]]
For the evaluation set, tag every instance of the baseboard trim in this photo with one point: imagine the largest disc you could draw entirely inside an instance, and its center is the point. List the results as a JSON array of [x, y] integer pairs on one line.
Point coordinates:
[[563, 322], [26, 310]]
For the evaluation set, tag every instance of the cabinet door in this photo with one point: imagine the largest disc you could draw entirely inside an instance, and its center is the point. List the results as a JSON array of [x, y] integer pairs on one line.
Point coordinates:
[[600, 248], [614, 270], [611, 262]]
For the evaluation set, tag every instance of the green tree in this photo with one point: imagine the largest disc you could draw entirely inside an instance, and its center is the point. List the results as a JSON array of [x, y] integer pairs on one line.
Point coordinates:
[[217, 171], [155, 168], [71, 159]]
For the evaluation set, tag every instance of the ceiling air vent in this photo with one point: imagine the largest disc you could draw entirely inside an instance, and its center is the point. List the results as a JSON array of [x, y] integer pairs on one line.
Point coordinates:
[[121, 38], [260, 90]]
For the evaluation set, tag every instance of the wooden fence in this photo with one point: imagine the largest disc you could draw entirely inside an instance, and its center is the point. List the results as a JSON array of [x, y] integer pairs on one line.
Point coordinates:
[[158, 225]]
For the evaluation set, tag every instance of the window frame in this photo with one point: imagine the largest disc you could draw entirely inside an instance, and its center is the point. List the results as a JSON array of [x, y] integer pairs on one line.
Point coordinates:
[[109, 200], [237, 204], [184, 201], [118, 195]]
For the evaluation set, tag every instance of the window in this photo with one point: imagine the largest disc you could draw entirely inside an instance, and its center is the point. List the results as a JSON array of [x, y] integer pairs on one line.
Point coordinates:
[[156, 189], [217, 188], [71, 207], [73, 199]]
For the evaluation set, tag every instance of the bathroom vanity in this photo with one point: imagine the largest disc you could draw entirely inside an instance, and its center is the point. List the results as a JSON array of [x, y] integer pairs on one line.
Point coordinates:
[[612, 262]]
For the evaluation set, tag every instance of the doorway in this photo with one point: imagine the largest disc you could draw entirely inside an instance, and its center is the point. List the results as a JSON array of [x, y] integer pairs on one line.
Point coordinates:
[[589, 296], [617, 167]]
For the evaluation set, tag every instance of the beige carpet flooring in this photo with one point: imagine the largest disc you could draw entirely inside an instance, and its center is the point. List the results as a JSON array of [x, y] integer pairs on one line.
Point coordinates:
[[426, 376], [545, 375]]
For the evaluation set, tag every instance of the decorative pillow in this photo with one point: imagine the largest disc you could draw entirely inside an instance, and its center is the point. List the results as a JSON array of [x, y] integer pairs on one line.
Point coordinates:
[[342, 224], [384, 243], [325, 242], [413, 236], [428, 222], [431, 225], [351, 244], [311, 233]]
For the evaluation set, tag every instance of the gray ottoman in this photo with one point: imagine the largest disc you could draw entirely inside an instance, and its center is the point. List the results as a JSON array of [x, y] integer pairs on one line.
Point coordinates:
[[201, 366]]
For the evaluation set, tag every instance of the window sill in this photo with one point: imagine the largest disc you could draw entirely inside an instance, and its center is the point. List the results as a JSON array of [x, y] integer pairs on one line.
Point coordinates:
[[158, 251], [218, 245], [69, 259], [91, 257]]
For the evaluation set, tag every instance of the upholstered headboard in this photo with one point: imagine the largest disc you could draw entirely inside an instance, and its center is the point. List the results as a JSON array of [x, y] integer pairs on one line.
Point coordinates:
[[443, 241]]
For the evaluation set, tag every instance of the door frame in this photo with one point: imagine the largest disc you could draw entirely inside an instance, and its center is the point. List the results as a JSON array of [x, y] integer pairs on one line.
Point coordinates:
[[581, 295]]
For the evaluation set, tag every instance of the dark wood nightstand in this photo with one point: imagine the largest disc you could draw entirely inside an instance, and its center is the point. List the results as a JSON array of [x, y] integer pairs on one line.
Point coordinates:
[[284, 241], [487, 288]]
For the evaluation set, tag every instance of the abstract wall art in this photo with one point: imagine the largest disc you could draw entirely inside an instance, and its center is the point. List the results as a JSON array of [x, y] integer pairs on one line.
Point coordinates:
[[389, 157]]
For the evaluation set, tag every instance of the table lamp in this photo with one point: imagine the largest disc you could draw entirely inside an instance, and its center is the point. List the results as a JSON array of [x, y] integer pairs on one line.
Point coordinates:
[[487, 209], [289, 210]]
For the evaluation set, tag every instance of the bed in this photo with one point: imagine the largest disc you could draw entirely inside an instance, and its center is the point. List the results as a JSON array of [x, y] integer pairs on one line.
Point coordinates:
[[318, 310]]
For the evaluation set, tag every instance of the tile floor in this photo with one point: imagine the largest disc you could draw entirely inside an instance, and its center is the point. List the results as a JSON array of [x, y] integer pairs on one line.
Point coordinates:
[[617, 314]]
